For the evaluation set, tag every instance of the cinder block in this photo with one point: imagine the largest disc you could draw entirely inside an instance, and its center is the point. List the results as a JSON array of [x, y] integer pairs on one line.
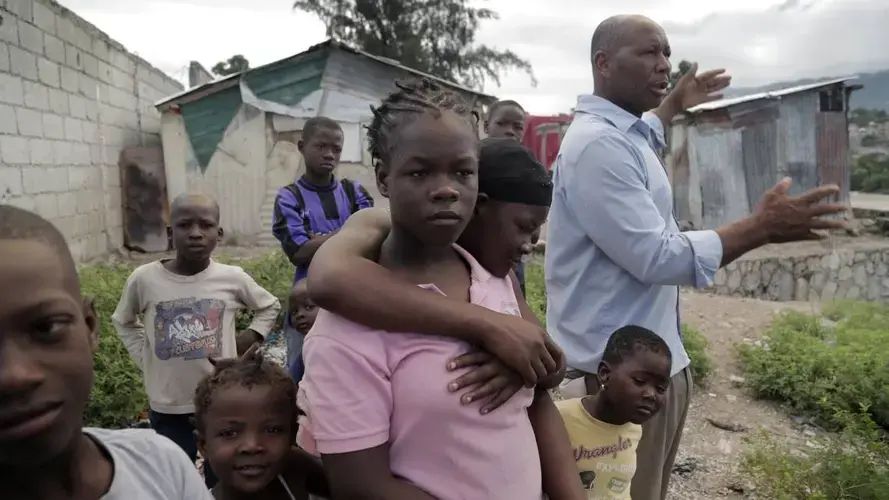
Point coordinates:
[[115, 232], [14, 149], [77, 177], [103, 72], [77, 248], [4, 57], [89, 87], [122, 80], [74, 130], [30, 122], [67, 204], [30, 37], [83, 40], [41, 179], [10, 181], [47, 205], [62, 152], [90, 132], [22, 9], [111, 180], [42, 152], [44, 18], [13, 89], [101, 50], [53, 126], [22, 63], [73, 57], [77, 106], [91, 65], [122, 99], [80, 154], [58, 101], [9, 32], [36, 95], [87, 199], [48, 72], [122, 61], [8, 122], [66, 30], [70, 79], [55, 48], [23, 202]]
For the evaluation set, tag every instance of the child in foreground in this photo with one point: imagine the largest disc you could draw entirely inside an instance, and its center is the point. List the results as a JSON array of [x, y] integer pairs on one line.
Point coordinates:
[[187, 307], [425, 151], [606, 425], [48, 334], [245, 415]]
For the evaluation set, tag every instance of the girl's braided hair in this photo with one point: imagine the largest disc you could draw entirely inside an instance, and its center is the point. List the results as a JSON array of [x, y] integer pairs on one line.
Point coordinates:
[[248, 371], [413, 98]]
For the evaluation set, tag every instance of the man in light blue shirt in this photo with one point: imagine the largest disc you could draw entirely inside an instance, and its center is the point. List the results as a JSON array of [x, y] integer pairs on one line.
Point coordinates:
[[615, 255]]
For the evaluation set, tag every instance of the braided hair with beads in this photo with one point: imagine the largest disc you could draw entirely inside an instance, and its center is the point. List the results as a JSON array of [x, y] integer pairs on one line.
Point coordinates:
[[400, 108]]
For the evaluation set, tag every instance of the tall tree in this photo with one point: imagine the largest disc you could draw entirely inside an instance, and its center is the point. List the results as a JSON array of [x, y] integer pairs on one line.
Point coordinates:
[[432, 36], [234, 64], [682, 69]]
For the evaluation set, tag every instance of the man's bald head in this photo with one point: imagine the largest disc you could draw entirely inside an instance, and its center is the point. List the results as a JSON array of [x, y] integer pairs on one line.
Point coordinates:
[[631, 66], [616, 32], [187, 201]]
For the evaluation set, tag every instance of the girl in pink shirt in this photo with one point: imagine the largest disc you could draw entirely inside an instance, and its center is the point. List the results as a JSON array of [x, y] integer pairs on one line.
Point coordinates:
[[383, 419]]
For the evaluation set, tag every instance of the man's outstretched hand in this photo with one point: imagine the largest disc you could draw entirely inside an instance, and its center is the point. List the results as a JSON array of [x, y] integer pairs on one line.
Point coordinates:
[[695, 88], [788, 218], [691, 90]]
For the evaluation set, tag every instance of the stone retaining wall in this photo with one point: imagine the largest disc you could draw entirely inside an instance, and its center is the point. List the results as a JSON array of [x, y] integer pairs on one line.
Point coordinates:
[[854, 274]]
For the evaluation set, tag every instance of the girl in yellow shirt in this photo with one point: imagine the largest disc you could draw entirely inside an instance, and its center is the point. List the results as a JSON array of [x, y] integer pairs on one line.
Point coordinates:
[[605, 426]]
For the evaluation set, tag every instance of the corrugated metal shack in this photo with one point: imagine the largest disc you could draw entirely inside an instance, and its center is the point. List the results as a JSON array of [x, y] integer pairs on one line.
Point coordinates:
[[725, 154], [236, 137]]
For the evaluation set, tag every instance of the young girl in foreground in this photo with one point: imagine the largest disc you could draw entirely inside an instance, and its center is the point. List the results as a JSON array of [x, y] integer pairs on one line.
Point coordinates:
[[383, 420], [605, 426], [245, 416]]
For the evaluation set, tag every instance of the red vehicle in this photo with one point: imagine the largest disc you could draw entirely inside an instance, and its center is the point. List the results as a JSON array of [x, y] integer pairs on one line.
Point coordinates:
[[543, 134]]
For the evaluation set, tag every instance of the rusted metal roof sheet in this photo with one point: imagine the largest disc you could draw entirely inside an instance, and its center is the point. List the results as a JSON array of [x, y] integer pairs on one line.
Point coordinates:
[[232, 80], [832, 142], [775, 94]]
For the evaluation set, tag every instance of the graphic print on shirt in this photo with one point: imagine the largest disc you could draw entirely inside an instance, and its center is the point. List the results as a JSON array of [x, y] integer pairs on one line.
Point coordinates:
[[610, 467], [188, 328]]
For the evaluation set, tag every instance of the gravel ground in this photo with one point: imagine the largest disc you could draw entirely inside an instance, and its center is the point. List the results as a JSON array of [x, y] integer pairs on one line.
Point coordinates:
[[708, 463]]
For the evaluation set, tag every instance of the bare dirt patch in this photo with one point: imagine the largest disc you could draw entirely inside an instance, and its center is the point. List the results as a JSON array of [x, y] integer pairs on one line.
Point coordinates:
[[709, 457]]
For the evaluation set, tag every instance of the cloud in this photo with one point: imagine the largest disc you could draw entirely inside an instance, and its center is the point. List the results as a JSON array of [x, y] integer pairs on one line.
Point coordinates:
[[758, 41]]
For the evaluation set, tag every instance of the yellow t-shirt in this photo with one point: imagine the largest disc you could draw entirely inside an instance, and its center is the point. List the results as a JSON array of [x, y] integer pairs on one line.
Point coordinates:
[[605, 453]]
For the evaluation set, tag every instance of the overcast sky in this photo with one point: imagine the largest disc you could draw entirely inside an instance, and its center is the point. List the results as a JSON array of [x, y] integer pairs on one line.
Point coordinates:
[[758, 41]]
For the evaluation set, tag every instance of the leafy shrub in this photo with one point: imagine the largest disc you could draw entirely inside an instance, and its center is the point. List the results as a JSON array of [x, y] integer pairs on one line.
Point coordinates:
[[853, 465], [823, 367], [696, 346], [833, 368], [118, 395], [870, 172], [535, 290]]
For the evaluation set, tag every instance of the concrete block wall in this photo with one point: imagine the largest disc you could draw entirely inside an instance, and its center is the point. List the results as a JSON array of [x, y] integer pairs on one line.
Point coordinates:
[[71, 99]]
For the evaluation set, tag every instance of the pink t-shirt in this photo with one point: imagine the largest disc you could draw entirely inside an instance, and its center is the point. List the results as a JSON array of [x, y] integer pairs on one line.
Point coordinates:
[[363, 388]]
